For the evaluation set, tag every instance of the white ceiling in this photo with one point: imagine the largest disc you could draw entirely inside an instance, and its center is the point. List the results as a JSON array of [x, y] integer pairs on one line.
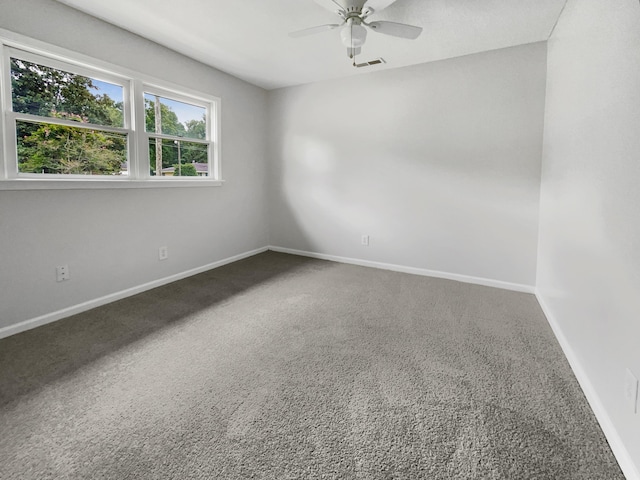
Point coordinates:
[[249, 38]]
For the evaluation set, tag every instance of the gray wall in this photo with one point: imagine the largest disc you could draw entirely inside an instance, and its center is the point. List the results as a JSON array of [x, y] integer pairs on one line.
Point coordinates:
[[439, 163], [110, 238], [589, 255]]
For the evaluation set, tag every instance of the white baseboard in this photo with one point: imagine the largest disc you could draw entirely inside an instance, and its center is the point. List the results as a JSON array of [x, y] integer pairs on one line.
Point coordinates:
[[487, 282], [625, 460], [83, 307]]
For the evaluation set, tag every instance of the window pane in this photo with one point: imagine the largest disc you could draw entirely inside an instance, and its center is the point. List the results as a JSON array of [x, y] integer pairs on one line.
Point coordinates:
[[174, 118], [49, 92], [58, 149], [178, 158]]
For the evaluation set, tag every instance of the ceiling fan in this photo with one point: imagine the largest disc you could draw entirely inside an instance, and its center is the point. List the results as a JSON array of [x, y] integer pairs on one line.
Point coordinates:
[[354, 14]]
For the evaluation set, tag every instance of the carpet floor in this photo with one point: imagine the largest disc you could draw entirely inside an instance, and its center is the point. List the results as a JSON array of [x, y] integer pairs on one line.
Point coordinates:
[[284, 367]]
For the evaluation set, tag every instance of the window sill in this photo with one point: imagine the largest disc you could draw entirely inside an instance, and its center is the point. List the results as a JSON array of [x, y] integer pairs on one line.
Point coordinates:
[[93, 184]]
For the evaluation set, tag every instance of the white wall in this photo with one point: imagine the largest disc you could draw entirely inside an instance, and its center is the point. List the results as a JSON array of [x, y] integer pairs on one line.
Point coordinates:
[[110, 238], [439, 163], [589, 253]]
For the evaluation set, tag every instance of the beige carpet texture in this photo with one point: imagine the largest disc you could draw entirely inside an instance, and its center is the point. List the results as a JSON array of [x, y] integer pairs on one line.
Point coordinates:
[[282, 367]]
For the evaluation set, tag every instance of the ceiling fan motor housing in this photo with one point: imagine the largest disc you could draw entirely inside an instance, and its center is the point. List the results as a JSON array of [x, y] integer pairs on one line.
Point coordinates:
[[353, 7]]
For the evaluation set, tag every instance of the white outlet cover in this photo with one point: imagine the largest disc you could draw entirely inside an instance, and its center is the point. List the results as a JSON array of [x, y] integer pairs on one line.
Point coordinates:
[[62, 273], [631, 390]]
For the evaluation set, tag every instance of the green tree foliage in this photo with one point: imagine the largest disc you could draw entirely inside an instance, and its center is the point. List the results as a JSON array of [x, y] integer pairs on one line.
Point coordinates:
[[196, 128], [51, 148], [169, 154], [186, 170], [170, 124], [34, 88], [43, 91], [194, 152]]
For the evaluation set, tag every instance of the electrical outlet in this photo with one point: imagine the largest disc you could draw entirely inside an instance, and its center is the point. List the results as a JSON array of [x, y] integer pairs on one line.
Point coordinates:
[[631, 390], [163, 253], [365, 240], [62, 273]]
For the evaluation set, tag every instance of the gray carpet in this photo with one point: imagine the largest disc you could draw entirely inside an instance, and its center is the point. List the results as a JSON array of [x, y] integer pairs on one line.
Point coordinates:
[[283, 367]]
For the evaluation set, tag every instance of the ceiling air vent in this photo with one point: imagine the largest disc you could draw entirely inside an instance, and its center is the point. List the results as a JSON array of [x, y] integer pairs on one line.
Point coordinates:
[[377, 61]]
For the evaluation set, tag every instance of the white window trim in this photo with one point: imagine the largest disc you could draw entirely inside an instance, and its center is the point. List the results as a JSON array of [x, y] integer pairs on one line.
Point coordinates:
[[214, 167], [134, 124]]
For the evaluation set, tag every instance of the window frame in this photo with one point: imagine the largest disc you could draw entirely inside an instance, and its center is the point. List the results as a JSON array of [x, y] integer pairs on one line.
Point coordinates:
[[12, 117], [178, 96], [134, 87]]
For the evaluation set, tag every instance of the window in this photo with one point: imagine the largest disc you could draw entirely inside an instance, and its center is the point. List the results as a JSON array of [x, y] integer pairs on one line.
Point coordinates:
[[177, 136], [67, 120], [66, 123]]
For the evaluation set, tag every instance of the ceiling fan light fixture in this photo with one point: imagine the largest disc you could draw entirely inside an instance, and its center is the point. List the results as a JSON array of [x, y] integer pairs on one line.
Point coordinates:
[[353, 36]]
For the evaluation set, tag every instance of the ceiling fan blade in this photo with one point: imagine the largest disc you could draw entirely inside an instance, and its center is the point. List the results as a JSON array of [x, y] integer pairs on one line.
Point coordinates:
[[313, 30], [396, 29], [331, 5], [377, 5]]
